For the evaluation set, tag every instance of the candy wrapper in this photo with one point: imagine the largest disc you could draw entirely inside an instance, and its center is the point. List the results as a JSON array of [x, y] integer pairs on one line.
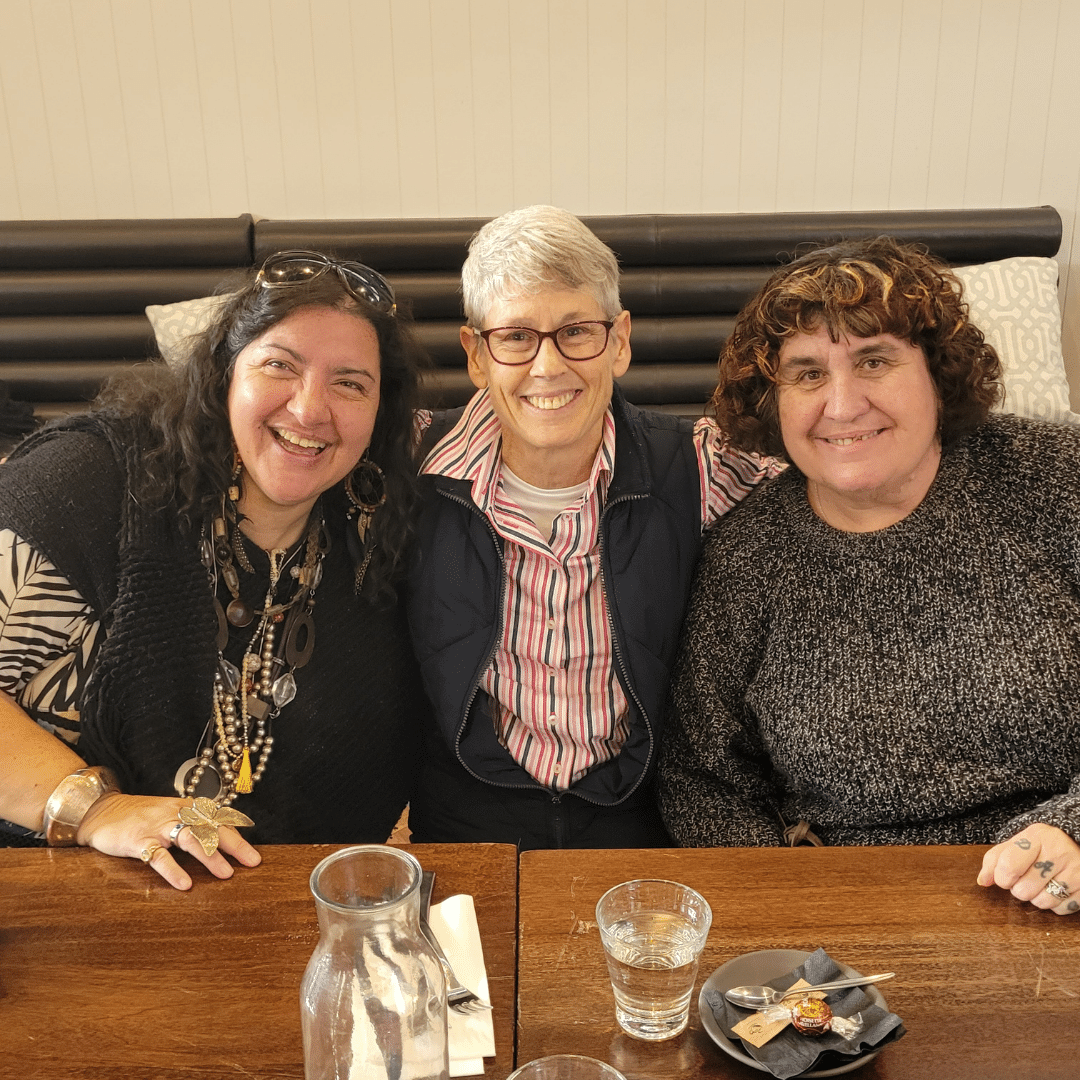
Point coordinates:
[[856, 1025]]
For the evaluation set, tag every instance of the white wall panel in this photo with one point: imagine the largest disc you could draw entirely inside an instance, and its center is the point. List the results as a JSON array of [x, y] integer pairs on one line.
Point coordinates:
[[646, 76], [140, 117], [65, 118], [877, 106], [99, 82], [173, 44], [684, 105], [798, 75], [724, 92], [758, 158], [33, 172], [920, 55], [376, 108], [609, 117], [379, 189], [833, 163]]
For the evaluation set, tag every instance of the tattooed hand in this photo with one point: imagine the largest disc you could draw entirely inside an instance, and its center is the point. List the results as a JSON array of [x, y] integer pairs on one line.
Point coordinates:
[[1027, 863]]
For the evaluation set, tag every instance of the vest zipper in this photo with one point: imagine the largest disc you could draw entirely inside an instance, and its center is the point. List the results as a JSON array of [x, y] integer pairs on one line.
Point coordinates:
[[618, 651]]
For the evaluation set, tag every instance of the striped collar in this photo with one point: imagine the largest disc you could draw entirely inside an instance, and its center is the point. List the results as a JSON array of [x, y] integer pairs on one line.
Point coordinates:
[[472, 451]]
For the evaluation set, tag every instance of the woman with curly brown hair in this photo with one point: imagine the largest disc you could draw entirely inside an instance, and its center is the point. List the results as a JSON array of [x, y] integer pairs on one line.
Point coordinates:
[[883, 645]]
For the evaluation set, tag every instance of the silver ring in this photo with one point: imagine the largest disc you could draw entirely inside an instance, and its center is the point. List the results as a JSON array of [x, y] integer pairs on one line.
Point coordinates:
[[1058, 890], [175, 831]]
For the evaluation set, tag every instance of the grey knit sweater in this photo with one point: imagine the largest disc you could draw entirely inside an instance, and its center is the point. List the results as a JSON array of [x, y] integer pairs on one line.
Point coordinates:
[[916, 685]]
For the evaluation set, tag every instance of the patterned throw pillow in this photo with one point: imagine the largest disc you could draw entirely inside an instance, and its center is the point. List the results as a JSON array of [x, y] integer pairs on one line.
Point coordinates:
[[1015, 304], [175, 324]]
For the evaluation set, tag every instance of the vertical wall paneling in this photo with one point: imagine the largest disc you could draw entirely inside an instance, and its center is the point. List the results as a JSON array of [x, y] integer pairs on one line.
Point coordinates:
[[418, 163], [181, 105], [684, 106], [333, 59], [646, 76], [954, 91], [219, 105], [99, 79], [758, 145], [916, 83], [298, 109], [722, 122], [838, 103], [609, 119], [876, 105], [452, 83], [568, 81], [384, 108], [65, 116], [992, 92], [1060, 182], [9, 189], [140, 115], [492, 121], [1030, 87], [798, 74], [374, 81], [530, 91], [33, 173]]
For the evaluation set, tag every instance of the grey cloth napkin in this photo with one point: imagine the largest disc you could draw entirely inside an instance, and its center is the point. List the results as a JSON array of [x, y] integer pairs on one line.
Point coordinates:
[[789, 1053]]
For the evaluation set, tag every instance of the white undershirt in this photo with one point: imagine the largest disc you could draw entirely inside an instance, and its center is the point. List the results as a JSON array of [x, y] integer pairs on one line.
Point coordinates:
[[543, 505]]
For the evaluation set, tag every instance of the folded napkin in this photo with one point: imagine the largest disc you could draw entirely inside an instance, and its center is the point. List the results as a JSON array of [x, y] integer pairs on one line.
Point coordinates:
[[789, 1053], [472, 1035]]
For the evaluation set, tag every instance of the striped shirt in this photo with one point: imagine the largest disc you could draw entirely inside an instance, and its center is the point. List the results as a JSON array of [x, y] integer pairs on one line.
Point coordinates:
[[560, 709]]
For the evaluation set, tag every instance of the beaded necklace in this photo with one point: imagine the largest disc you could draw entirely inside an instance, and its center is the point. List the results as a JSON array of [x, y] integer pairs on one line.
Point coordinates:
[[238, 740]]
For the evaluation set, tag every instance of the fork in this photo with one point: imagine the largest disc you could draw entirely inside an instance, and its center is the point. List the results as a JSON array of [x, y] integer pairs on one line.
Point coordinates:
[[458, 997]]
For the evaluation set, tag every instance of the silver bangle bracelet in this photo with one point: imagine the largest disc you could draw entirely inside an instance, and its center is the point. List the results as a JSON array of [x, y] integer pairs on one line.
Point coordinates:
[[72, 799]]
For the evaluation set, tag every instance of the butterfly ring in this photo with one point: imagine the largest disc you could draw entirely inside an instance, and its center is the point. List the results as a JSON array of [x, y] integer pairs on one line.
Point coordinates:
[[205, 817]]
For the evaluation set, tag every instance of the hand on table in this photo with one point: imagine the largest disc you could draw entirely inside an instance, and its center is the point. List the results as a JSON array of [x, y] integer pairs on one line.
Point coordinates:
[[1027, 862], [128, 825]]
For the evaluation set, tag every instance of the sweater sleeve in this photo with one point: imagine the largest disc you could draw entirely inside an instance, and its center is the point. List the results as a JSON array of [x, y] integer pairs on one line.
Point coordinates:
[[715, 777]]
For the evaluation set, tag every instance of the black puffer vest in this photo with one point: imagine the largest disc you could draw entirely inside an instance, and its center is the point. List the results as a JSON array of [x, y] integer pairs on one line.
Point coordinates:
[[650, 533]]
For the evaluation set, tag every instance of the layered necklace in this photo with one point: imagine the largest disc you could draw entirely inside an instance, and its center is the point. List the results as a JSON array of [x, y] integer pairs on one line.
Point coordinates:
[[238, 739]]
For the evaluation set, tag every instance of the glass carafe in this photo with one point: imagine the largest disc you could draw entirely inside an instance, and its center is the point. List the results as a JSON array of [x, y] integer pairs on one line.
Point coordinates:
[[373, 998]]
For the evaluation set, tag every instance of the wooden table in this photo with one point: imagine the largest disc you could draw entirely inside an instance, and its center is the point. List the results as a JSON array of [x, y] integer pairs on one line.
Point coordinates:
[[915, 911], [106, 972]]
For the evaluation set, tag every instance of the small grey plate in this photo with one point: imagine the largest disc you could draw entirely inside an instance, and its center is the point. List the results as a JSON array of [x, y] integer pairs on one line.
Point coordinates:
[[757, 968]]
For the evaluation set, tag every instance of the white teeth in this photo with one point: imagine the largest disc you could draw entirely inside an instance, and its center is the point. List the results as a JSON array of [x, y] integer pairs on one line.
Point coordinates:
[[551, 402], [297, 440]]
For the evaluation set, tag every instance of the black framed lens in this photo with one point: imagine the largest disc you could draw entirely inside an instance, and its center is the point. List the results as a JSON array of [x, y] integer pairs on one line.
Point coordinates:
[[287, 268]]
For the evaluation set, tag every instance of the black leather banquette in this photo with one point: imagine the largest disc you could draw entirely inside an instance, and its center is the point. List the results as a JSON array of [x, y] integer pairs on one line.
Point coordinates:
[[72, 293]]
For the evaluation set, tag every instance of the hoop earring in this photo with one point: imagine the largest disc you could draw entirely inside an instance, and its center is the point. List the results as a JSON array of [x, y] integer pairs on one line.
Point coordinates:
[[366, 489]]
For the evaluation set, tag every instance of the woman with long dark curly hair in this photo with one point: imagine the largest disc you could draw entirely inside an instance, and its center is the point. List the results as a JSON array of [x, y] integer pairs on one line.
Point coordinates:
[[201, 626], [883, 644]]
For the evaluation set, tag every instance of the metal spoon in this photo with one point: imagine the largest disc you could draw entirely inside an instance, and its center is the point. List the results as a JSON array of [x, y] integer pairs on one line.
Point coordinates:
[[765, 997]]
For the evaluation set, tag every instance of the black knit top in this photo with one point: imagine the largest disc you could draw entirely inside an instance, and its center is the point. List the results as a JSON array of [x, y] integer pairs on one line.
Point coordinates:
[[915, 685], [344, 756]]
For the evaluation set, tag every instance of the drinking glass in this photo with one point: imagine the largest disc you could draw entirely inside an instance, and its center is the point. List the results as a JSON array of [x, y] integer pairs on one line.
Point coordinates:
[[653, 932], [566, 1067]]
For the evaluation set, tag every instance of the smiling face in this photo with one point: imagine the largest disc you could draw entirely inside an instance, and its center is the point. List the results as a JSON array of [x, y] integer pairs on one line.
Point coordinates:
[[302, 404], [551, 409], [859, 418]]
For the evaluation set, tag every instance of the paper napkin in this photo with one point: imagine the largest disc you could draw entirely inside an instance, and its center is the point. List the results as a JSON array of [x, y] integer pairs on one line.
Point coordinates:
[[471, 1035]]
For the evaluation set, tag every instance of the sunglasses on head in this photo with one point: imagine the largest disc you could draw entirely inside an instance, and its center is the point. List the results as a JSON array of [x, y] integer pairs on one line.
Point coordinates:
[[287, 268]]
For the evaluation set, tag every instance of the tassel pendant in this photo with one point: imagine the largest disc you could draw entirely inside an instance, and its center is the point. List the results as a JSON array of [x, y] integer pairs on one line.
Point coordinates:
[[243, 777]]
